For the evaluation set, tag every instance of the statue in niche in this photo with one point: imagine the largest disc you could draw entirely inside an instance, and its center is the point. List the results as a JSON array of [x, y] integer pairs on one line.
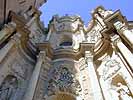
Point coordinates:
[[121, 92], [8, 88]]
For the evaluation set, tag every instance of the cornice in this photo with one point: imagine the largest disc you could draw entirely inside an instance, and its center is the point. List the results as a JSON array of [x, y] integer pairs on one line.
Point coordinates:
[[130, 24], [45, 46], [65, 53], [20, 21], [63, 24], [116, 16], [66, 18]]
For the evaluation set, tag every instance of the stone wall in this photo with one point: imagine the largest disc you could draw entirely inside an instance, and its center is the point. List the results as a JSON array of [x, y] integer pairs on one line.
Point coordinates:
[[17, 6], [16, 65]]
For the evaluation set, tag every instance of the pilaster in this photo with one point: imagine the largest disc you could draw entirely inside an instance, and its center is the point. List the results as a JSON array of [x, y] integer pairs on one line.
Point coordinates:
[[34, 78], [125, 52], [96, 91], [124, 32]]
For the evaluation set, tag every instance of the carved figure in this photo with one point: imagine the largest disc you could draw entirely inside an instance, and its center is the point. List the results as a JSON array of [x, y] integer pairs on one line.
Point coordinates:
[[101, 14], [104, 13]]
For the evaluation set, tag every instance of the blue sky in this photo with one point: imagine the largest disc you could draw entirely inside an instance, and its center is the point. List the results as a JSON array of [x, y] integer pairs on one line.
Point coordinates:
[[83, 8]]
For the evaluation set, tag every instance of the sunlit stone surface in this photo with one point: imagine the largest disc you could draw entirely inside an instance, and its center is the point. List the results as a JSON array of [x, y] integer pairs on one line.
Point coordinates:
[[66, 61]]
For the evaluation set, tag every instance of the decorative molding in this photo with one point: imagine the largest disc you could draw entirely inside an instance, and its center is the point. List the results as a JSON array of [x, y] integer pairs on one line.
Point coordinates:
[[66, 23], [115, 39]]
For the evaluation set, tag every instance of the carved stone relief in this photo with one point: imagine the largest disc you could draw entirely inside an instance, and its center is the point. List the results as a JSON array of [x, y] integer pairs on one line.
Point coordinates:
[[62, 80], [110, 68], [19, 66], [37, 36], [119, 89], [66, 23], [94, 35], [122, 92]]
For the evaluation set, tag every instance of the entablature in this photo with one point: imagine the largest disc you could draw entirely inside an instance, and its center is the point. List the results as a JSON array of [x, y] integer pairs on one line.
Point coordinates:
[[65, 53]]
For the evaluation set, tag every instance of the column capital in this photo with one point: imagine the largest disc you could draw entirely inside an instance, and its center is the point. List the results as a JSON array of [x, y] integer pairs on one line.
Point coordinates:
[[120, 26], [89, 56], [10, 27], [41, 55], [115, 39], [124, 32], [16, 37]]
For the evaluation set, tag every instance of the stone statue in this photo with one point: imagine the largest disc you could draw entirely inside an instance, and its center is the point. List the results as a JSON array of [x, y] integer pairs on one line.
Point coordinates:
[[100, 20], [100, 14], [8, 89], [124, 93], [104, 13]]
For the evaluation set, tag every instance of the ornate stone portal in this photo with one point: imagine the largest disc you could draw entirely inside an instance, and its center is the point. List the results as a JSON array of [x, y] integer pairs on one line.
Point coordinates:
[[67, 61]]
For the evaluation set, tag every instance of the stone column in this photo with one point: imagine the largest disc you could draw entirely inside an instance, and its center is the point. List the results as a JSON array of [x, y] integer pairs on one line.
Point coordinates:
[[96, 91], [124, 32], [35, 75], [3, 51], [128, 56]]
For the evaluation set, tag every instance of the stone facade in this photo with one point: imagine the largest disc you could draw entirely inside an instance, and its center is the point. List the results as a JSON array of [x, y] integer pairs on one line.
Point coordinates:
[[18, 6], [67, 61]]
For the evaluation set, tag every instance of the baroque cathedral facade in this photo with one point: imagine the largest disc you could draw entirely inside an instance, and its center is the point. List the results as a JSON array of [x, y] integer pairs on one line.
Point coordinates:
[[67, 60]]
